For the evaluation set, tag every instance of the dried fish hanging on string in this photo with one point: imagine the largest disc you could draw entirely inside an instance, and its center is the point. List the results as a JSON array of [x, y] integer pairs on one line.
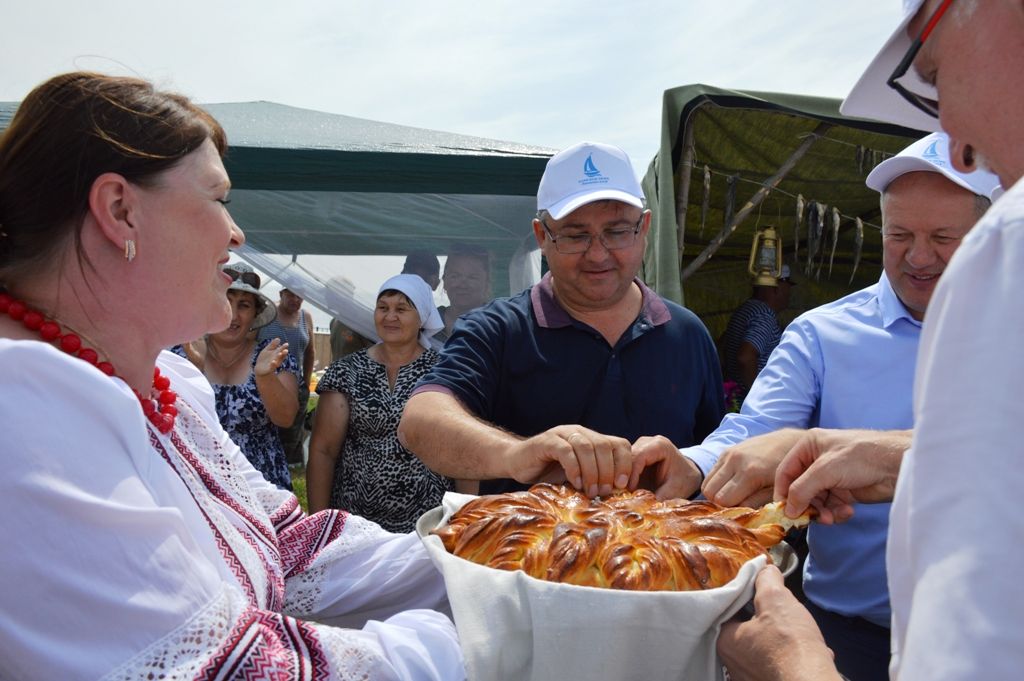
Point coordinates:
[[835, 239], [815, 229], [796, 228], [705, 200], [812, 217], [730, 200], [822, 249], [819, 247], [858, 246], [867, 159]]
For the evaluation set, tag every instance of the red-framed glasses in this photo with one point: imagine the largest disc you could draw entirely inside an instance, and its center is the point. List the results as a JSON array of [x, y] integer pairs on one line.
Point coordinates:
[[926, 104]]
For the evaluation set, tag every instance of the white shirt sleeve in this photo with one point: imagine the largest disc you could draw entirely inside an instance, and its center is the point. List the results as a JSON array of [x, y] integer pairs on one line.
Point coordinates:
[[94, 567], [339, 568], [109, 568], [957, 531]]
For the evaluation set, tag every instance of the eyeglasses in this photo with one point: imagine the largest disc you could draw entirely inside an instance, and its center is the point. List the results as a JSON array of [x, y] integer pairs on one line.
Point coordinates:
[[250, 278], [611, 239], [926, 104]]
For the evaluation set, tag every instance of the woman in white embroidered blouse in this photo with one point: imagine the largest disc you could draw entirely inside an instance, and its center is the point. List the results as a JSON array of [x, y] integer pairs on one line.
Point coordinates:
[[140, 542]]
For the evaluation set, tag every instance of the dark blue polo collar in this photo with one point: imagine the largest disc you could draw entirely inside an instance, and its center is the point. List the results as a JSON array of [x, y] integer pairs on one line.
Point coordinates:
[[551, 315]]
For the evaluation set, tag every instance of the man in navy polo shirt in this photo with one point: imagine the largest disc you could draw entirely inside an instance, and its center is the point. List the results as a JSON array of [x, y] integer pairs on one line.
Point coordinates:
[[583, 377]]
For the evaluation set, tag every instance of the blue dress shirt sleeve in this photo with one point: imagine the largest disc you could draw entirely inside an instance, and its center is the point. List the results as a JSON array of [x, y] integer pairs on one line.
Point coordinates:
[[785, 395]]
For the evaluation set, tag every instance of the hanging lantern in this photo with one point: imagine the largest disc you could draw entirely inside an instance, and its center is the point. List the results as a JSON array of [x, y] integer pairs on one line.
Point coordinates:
[[766, 257]]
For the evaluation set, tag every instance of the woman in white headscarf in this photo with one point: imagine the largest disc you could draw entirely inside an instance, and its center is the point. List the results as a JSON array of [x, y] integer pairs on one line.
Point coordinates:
[[355, 460]]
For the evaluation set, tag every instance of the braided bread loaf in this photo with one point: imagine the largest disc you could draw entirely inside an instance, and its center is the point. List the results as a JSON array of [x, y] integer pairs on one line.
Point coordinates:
[[627, 541]]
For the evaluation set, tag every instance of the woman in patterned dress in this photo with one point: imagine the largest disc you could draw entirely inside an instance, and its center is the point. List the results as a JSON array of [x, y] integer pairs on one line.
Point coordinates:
[[254, 383], [355, 460], [139, 542]]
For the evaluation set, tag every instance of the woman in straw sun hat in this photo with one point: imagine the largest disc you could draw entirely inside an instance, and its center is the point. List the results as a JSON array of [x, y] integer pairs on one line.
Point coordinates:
[[254, 382]]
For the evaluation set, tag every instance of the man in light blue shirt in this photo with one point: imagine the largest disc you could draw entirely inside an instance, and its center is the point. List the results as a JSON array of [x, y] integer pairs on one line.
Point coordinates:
[[850, 364]]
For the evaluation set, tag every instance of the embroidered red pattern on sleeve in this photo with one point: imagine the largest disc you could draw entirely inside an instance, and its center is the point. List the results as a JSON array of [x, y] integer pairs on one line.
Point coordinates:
[[240, 634], [229, 640]]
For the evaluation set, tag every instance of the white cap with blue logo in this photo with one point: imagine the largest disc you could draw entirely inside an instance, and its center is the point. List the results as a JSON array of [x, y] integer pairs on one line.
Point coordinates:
[[584, 173], [931, 154]]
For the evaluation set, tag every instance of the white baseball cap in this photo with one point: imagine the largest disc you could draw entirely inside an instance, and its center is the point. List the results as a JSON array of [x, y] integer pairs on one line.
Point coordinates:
[[584, 173], [932, 154], [871, 97]]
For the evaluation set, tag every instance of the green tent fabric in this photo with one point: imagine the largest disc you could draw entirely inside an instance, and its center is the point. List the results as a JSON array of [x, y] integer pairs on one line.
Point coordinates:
[[750, 136], [308, 184]]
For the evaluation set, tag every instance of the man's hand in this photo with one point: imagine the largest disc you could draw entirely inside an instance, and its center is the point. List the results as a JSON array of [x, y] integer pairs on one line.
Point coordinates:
[[745, 473], [593, 463], [672, 475], [832, 469], [780, 643]]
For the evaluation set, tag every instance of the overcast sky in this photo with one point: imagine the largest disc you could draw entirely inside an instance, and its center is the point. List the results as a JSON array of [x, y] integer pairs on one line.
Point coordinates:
[[548, 73]]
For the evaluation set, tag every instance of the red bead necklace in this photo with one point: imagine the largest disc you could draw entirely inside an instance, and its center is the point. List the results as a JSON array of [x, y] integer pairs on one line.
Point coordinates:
[[161, 411]]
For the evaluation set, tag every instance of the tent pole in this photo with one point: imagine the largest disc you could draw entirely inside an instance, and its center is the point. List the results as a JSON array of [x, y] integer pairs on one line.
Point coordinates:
[[754, 201], [683, 190]]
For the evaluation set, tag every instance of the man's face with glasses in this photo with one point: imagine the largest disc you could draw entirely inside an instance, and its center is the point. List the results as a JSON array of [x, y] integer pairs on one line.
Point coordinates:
[[927, 103], [614, 239], [973, 54], [594, 252]]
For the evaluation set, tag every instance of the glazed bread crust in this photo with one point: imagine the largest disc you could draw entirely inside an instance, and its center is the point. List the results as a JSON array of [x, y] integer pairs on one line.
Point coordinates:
[[627, 541]]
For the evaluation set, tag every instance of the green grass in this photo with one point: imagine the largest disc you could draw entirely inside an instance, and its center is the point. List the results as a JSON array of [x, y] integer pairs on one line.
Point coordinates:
[[298, 472]]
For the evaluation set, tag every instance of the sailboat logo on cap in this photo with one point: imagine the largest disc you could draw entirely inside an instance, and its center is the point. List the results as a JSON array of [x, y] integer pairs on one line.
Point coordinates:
[[589, 169], [932, 154]]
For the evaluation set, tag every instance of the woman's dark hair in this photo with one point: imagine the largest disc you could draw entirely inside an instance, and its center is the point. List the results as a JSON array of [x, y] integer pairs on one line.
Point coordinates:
[[258, 303], [394, 291], [261, 304], [69, 131]]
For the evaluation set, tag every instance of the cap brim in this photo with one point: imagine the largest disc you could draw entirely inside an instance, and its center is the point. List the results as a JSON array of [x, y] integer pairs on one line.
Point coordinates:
[[884, 173], [910, 160], [566, 206], [872, 98]]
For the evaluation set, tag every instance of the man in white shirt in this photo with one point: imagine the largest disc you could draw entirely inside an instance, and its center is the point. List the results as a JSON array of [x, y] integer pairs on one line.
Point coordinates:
[[850, 364], [956, 526]]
